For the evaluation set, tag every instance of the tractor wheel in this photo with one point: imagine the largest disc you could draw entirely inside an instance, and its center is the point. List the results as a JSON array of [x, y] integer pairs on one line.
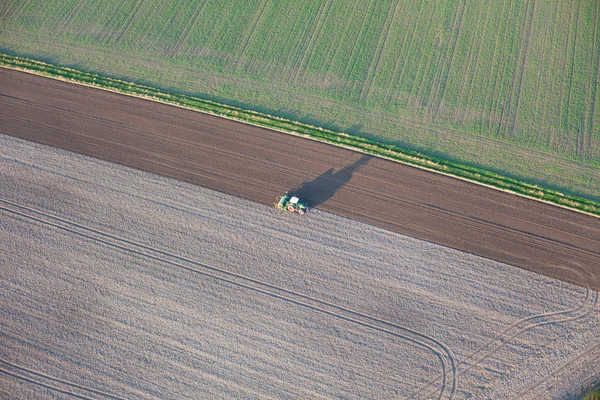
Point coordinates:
[[290, 208], [300, 211]]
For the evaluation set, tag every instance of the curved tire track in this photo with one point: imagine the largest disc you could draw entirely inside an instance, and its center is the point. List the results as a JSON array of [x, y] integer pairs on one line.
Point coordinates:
[[589, 303], [442, 351]]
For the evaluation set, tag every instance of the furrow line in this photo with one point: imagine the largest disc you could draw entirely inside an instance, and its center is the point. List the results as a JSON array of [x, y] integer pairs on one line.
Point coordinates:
[[472, 221]]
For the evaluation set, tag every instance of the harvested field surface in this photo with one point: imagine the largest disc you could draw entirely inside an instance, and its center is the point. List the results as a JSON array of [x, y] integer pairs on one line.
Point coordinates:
[[259, 164], [510, 86], [116, 283]]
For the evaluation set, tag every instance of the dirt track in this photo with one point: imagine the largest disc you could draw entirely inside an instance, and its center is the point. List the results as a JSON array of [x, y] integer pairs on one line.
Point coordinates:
[[259, 164]]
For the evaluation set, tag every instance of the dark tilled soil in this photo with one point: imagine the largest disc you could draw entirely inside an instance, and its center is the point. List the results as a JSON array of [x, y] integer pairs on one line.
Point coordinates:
[[259, 164]]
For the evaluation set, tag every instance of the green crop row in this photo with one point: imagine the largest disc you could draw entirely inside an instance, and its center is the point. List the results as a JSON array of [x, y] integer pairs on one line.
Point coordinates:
[[595, 395], [365, 145]]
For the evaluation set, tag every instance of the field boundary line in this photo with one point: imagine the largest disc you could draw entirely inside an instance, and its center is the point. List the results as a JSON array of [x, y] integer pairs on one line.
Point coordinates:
[[388, 151], [440, 349]]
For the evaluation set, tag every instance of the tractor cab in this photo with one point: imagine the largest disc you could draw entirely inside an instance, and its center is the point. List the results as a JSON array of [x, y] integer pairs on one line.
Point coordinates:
[[291, 204]]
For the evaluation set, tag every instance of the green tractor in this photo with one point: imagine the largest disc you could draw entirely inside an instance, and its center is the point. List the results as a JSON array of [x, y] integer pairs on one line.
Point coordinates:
[[291, 203]]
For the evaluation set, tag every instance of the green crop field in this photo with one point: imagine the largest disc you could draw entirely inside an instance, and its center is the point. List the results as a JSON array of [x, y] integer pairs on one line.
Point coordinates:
[[510, 86]]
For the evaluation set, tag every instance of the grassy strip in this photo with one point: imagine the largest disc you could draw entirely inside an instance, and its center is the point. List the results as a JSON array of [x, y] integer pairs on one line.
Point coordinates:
[[389, 151], [595, 395]]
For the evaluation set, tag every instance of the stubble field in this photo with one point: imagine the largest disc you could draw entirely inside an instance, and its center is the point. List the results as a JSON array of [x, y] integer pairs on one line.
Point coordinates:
[[120, 283], [510, 86]]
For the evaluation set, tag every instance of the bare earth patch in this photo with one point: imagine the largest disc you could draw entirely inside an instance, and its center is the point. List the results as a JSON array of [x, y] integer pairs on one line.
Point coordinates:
[[117, 283]]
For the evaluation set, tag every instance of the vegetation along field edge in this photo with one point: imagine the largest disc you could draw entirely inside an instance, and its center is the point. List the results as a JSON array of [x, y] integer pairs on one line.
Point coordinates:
[[364, 145]]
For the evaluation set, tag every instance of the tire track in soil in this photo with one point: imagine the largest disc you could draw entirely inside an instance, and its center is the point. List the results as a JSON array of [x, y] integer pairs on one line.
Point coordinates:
[[435, 101], [130, 18], [508, 334], [365, 91], [347, 72], [488, 113], [403, 53], [562, 108], [520, 326], [590, 98], [38, 375], [323, 14], [517, 84], [248, 34], [468, 75], [572, 62], [175, 48], [444, 354]]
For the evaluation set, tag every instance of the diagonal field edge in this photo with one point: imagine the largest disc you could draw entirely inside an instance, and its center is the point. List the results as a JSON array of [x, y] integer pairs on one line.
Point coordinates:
[[341, 139]]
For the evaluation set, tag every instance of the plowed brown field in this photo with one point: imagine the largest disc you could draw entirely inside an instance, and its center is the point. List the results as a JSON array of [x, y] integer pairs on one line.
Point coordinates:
[[259, 164]]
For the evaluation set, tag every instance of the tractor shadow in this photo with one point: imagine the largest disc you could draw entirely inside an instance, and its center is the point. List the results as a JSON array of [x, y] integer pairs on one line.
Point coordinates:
[[323, 187]]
